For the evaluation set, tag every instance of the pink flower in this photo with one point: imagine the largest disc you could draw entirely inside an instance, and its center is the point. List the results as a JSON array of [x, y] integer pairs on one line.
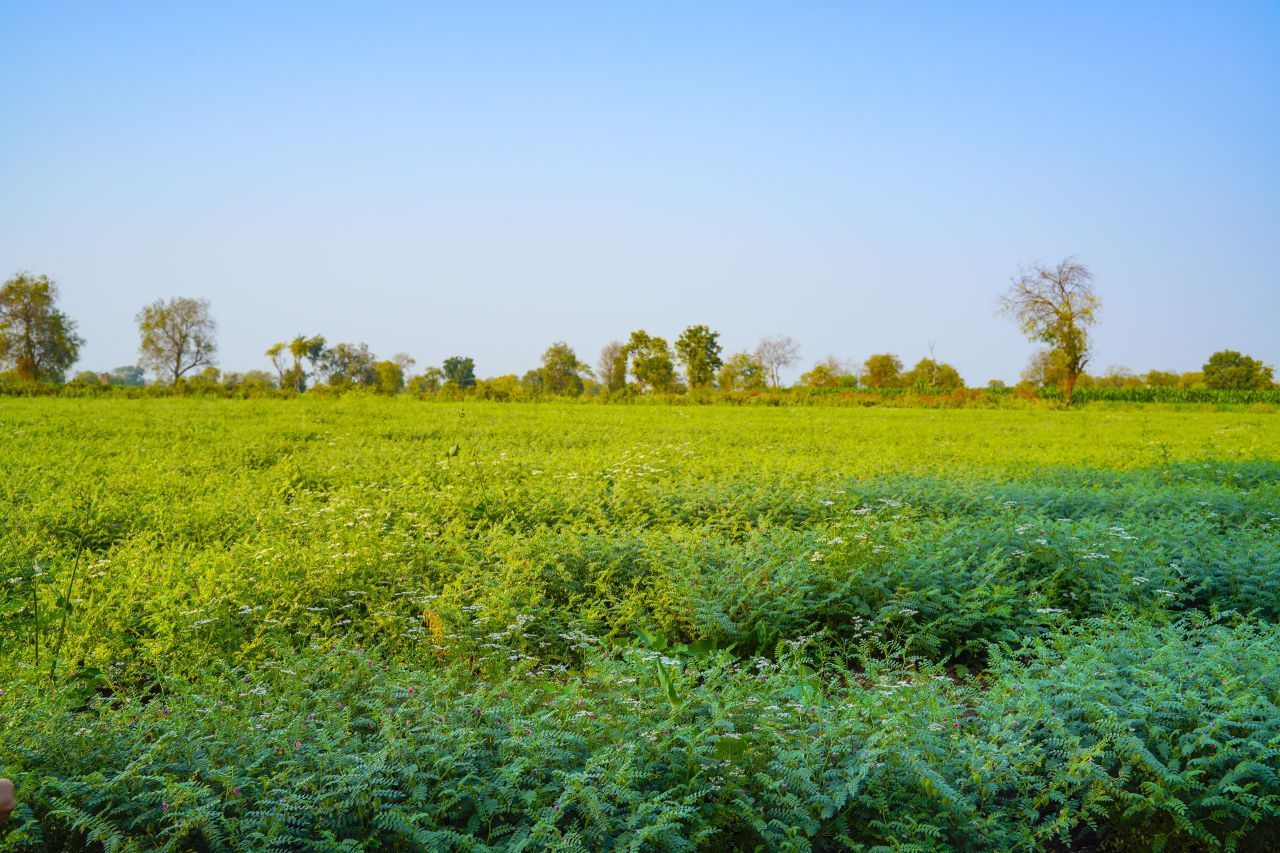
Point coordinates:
[[235, 791]]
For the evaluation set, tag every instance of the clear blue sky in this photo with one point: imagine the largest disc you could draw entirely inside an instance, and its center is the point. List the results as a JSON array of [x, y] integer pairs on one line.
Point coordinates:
[[485, 179]]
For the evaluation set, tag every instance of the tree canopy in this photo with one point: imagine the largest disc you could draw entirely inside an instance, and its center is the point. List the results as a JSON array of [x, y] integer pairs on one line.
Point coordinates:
[[460, 371], [177, 336], [698, 349], [883, 370], [37, 341], [1232, 370], [1056, 306]]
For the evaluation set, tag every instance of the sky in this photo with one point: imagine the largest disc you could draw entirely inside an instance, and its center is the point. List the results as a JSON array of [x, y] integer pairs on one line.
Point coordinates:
[[484, 179]]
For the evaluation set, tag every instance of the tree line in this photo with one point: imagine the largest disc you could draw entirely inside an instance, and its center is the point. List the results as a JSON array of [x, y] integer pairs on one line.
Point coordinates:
[[1055, 306]]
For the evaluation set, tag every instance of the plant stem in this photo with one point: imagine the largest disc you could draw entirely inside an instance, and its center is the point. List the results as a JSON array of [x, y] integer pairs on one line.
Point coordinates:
[[66, 612]]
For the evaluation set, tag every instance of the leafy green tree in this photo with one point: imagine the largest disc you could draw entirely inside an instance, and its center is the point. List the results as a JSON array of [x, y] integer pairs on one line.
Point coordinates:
[[390, 377], [177, 336], [460, 372], [37, 341], [206, 380], [1118, 376], [829, 373], [651, 362], [742, 372], [345, 365], [1160, 379], [698, 349], [428, 382], [130, 375], [1056, 305], [251, 380], [1188, 381], [613, 366], [561, 372], [929, 373], [301, 348], [883, 370], [1044, 368], [1230, 370], [532, 381], [313, 350]]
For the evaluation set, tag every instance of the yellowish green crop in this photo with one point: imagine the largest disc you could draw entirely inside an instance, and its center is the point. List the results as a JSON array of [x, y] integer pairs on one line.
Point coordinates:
[[389, 623]]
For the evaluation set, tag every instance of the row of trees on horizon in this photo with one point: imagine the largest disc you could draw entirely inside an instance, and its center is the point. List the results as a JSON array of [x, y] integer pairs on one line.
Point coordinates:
[[1055, 306]]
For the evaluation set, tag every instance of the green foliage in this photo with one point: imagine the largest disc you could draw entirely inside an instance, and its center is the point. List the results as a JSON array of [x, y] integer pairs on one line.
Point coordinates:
[[930, 374], [1056, 306], [459, 372], [882, 371], [176, 336], [347, 365], [37, 341], [698, 349], [650, 360], [1230, 370], [387, 623], [561, 372], [743, 372]]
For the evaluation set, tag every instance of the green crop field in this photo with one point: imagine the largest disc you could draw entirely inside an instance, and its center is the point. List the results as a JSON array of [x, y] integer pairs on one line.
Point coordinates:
[[395, 624]]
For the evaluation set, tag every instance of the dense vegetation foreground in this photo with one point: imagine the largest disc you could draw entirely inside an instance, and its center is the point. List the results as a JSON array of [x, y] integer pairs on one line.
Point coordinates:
[[320, 624]]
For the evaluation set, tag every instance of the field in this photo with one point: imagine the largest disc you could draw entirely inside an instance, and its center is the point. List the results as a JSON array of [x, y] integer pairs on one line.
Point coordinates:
[[325, 624]]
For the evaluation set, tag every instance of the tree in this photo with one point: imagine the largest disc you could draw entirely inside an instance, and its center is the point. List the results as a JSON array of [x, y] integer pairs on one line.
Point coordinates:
[[698, 349], [883, 370], [177, 336], [301, 348], [1119, 376], [651, 363], [428, 382], [130, 375], [460, 371], [1229, 369], [276, 353], [1161, 379], [1056, 305], [742, 372], [930, 373], [613, 366], [390, 377], [313, 350], [350, 364], [1044, 368], [561, 371], [829, 373], [254, 380], [777, 353], [1193, 380], [37, 340]]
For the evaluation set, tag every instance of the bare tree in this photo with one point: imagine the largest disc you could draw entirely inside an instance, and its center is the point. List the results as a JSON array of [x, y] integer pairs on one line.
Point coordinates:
[[177, 336], [776, 353], [1056, 305]]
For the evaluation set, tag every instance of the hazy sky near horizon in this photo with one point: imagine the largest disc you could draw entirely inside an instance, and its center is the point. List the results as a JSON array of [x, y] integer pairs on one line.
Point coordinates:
[[484, 179]]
